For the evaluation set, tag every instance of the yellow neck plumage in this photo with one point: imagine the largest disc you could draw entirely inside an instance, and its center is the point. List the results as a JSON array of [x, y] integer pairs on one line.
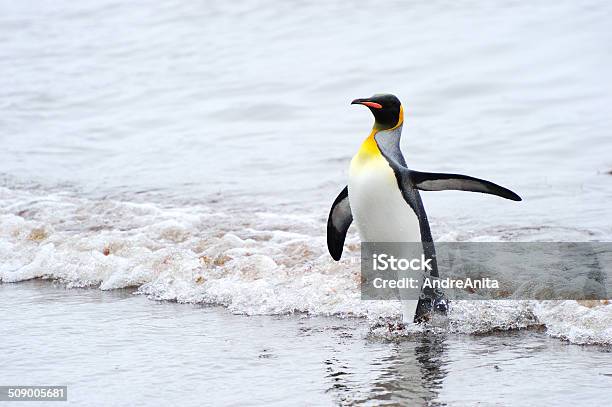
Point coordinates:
[[369, 146]]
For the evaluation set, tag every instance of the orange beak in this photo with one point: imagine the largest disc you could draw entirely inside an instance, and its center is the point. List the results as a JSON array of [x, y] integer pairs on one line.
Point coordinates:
[[367, 103]]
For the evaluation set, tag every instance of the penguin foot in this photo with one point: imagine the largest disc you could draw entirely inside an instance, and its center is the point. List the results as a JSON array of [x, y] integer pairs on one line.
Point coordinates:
[[440, 305]]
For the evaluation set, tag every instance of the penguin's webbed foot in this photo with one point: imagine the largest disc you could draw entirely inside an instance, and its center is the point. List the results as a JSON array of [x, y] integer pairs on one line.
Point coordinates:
[[440, 305]]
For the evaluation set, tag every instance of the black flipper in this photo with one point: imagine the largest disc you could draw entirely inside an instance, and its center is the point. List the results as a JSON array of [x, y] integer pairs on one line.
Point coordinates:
[[338, 222], [432, 181]]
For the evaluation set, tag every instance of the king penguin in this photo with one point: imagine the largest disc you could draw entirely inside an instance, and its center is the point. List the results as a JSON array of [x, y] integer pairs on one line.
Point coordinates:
[[382, 197]]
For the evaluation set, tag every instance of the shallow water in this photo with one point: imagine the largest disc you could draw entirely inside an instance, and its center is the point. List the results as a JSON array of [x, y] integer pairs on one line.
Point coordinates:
[[114, 348], [191, 151]]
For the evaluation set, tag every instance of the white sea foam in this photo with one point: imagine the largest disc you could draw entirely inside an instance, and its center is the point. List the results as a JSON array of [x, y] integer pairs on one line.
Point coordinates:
[[260, 263], [575, 322]]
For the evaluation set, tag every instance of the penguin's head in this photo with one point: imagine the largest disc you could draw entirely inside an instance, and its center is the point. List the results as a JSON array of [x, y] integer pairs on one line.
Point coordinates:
[[387, 110]]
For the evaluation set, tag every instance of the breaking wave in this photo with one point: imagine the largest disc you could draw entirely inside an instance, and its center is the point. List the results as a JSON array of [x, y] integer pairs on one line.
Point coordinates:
[[255, 263]]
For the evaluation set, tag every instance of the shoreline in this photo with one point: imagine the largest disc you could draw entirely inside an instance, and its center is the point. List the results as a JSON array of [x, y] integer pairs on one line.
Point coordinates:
[[436, 329], [110, 343]]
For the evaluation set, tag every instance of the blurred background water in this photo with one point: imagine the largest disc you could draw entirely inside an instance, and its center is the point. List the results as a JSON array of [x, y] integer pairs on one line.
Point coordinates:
[[192, 149], [247, 98]]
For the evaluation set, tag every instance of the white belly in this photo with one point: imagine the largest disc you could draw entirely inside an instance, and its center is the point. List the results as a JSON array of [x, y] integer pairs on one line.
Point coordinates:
[[379, 209]]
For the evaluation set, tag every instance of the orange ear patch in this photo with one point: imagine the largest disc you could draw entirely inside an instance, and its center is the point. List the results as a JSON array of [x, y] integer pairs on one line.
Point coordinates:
[[372, 104]]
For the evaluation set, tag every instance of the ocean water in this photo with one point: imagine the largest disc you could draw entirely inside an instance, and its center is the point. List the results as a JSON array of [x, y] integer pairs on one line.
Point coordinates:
[[189, 152], [147, 353]]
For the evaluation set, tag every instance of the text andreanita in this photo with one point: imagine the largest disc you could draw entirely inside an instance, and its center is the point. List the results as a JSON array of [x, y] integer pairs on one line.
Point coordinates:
[[443, 283]]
